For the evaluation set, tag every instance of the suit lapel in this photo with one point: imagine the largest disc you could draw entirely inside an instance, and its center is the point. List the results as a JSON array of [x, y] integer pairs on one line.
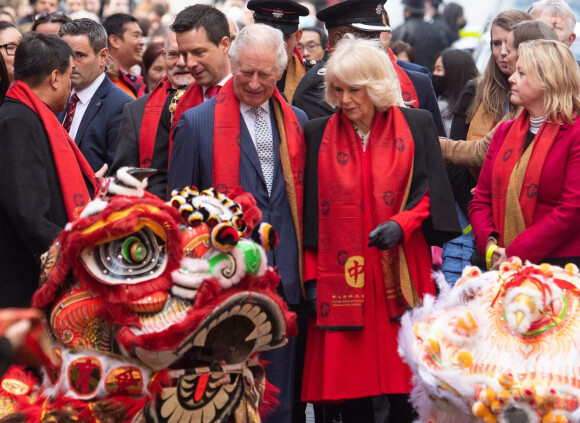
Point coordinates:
[[92, 109], [276, 142]]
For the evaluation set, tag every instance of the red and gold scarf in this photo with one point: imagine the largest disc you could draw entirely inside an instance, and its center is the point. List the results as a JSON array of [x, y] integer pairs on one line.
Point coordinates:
[[226, 150], [349, 178], [150, 123], [70, 162], [516, 177]]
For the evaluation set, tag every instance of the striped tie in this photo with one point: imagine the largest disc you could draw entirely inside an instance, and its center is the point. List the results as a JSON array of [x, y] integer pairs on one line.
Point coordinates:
[[70, 112]]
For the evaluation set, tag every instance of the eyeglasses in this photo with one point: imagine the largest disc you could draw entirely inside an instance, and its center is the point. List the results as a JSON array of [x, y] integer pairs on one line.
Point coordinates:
[[10, 48], [308, 47], [171, 55], [49, 16]]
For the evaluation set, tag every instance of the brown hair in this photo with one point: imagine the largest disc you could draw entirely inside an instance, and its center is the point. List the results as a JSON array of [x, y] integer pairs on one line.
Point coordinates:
[[533, 30], [493, 88]]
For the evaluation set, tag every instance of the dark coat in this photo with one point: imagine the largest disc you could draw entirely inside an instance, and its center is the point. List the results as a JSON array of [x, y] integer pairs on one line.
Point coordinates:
[[32, 211], [427, 40], [128, 144], [127, 153], [99, 128]]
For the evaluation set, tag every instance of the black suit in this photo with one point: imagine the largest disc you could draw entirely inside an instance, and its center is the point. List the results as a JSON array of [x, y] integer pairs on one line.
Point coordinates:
[[128, 143], [32, 211]]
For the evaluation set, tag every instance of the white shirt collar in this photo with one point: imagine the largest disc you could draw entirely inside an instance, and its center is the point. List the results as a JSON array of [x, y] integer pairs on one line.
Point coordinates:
[[87, 93], [265, 106]]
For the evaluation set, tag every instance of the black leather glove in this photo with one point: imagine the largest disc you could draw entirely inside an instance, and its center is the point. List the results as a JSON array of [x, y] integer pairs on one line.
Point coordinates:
[[385, 235], [311, 295]]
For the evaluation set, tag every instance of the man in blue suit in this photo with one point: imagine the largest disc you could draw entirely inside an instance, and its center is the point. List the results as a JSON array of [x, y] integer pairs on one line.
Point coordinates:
[[95, 108], [249, 136]]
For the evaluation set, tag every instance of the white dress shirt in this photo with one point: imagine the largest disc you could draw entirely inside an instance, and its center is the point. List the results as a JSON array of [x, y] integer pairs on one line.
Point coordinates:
[[85, 97]]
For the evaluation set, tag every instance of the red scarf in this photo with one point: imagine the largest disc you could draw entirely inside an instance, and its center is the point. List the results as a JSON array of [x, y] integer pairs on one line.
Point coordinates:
[[150, 123], [70, 162], [407, 88], [349, 179], [226, 150], [192, 97], [507, 158]]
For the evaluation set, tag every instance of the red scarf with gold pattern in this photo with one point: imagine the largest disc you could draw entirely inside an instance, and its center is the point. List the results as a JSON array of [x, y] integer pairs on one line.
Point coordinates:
[[516, 176], [359, 189]]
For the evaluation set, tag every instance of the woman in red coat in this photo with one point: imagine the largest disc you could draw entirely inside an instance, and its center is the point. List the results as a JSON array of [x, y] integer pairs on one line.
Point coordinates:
[[376, 194], [527, 200]]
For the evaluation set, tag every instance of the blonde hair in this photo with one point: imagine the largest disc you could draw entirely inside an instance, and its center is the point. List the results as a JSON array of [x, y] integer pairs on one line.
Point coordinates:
[[362, 63], [551, 66]]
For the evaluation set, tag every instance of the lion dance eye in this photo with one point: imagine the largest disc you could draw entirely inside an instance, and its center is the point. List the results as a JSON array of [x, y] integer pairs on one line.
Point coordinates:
[[135, 258], [133, 250]]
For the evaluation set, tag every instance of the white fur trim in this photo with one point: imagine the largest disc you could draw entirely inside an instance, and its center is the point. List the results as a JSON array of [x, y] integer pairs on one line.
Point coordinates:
[[108, 363]]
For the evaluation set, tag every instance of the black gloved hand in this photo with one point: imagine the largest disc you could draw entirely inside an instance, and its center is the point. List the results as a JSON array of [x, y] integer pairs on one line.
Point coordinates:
[[385, 235], [311, 296]]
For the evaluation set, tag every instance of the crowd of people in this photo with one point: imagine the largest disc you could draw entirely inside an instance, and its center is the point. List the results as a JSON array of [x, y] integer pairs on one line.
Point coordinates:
[[366, 148]]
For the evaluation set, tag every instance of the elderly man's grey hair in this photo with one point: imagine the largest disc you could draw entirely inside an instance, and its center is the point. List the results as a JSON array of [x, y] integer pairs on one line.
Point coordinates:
[[555, 8], [261, 37], [168, 32]]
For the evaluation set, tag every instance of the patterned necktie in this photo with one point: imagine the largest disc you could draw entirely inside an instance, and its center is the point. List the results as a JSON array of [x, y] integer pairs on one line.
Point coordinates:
[[70, 112], [264, 146], [212, 91]]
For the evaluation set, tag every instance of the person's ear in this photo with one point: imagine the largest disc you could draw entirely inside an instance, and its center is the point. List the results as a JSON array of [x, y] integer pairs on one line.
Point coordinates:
[[114, 41], [55, 79], [298, 35], [337, 36], [225, 44], [103, 56]]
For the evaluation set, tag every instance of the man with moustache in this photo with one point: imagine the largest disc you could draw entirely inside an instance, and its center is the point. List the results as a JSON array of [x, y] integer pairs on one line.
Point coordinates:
[[44, 179], [144, 132], [125, 40], [93, 113]]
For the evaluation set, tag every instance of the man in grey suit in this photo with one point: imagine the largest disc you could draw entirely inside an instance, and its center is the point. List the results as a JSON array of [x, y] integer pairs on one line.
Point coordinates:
[[94, 110], [249, 136]]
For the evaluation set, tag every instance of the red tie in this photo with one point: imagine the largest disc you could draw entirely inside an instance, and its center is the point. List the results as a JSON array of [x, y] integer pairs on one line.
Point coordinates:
[[212, 91], [70, 112]]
